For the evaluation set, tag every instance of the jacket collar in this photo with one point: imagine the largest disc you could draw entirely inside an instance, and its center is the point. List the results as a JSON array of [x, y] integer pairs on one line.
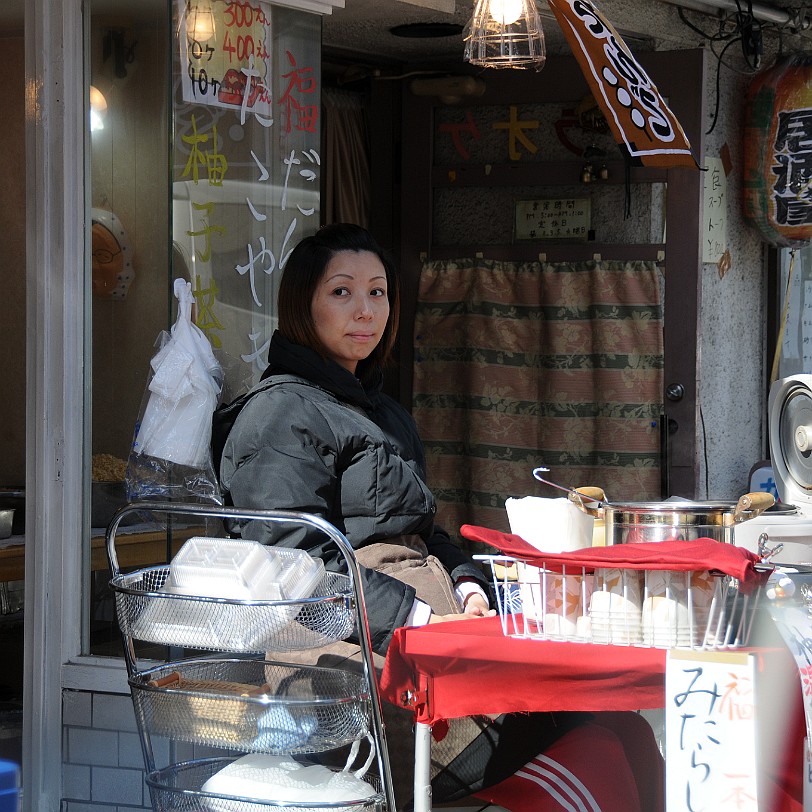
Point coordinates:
[[287, 358]]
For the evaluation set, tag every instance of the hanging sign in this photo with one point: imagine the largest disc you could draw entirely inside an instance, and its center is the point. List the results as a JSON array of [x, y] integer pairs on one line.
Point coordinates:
[[710, 731], [225, 53], [640, 120], [778, 152]]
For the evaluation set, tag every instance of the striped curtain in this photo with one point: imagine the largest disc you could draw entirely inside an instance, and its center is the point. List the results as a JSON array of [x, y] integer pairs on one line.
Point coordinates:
[[519, 365]]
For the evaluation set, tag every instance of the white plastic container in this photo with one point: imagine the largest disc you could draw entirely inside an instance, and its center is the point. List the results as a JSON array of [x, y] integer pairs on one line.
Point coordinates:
[[550, 525], [242, 570]]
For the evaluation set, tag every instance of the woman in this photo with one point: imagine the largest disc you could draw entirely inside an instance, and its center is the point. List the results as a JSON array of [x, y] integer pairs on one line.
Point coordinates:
[[320, 436], [326, 440]]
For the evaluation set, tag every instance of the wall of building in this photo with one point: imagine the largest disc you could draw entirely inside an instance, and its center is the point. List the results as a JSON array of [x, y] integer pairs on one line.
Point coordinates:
[[733, 369], [103, 765]]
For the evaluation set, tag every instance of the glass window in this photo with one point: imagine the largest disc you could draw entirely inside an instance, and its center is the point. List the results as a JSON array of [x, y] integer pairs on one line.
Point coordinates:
[[205, 165]]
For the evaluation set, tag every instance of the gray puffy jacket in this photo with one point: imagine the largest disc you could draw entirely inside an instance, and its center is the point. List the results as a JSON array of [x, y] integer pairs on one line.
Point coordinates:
[[297, 446]]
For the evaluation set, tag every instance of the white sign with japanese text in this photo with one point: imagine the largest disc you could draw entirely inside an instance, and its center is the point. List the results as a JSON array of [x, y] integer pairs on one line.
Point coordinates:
[[710, 731], [246, 166], [714, 211], [559, 219]]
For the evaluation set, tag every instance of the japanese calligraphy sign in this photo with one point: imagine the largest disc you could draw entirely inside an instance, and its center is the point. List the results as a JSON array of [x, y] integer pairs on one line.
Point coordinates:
[[640, 120], [710, 729], [778, 153]]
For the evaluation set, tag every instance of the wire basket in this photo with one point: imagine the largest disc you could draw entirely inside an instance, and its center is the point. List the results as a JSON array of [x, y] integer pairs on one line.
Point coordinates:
[[178, 788], [242, 626], [653, 608], [252, 705]]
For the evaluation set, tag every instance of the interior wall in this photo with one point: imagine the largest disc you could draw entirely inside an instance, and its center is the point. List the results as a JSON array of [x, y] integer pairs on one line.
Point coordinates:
[[129, 177], [12, 227]]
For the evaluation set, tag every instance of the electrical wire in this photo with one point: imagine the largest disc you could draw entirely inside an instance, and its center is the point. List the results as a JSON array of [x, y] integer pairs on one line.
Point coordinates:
[[704, 449], [740, 27], [715, 117]]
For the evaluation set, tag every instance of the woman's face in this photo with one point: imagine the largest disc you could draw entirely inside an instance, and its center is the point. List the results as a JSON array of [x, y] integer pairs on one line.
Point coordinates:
[[350, 307]]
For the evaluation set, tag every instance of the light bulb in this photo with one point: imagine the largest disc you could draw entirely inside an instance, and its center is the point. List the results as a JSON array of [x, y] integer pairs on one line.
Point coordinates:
[[505, 12], [200, 21]]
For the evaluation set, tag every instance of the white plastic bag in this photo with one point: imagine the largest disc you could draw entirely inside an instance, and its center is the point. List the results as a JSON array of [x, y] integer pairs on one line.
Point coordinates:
[[171, 451]]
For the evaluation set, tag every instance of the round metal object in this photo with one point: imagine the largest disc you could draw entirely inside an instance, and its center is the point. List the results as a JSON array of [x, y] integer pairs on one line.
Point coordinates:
[[671, 521]]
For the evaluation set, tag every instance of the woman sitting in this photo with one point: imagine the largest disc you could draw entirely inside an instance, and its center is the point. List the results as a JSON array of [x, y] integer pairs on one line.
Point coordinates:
[[320, 436]]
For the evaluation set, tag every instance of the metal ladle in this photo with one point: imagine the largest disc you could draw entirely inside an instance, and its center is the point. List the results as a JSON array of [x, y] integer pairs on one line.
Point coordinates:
[[575, 495]]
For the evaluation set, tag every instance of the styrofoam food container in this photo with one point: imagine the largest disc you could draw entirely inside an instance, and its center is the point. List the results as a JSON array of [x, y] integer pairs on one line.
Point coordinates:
[[242, 570]]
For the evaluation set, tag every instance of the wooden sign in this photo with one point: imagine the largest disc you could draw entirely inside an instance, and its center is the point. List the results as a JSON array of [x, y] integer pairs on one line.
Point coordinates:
[[710, 731], [559, 219]]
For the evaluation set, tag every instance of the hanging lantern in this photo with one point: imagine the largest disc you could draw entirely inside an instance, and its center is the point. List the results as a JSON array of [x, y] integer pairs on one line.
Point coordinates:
[[778, 152], [505, 34]]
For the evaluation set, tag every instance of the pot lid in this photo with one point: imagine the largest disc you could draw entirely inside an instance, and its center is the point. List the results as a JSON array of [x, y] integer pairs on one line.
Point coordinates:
[[790, 426]]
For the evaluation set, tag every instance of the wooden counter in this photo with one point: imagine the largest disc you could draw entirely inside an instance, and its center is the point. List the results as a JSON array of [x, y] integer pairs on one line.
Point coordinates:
[[134, 550]]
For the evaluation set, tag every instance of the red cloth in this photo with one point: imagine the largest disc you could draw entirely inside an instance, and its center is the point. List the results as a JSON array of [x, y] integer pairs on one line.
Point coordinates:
[[470, 667], [627, 777], [685, 556]]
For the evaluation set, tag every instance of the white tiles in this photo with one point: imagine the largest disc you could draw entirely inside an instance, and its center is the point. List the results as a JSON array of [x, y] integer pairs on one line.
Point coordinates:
[[103, 767]]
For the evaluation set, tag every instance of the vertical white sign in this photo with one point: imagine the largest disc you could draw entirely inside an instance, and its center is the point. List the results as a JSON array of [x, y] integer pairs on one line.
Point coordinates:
[[714, 211], [710, 732]]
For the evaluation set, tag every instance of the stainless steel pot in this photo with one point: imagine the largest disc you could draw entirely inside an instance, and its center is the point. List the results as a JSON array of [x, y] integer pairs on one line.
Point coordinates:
[[680, 521]]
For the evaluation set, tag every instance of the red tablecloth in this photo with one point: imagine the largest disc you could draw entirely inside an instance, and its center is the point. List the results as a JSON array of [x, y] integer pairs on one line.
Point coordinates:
[[468, 667]]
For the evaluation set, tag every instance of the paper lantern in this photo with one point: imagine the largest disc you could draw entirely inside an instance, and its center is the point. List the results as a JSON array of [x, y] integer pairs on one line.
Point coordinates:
[[778, 152]]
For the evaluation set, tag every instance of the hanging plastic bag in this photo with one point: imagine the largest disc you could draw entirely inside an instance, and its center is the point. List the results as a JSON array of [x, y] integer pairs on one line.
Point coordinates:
[[171, 456]]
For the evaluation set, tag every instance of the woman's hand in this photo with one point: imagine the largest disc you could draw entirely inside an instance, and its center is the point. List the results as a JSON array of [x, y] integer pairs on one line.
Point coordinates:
[[443, 618], [477, 606]]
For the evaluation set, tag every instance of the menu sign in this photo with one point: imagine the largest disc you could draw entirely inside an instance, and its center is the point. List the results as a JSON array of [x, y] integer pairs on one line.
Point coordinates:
[[226, 54], [710, 729]]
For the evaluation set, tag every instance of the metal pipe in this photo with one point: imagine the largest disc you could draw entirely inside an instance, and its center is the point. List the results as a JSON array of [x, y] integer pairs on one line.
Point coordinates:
[[760, 11]]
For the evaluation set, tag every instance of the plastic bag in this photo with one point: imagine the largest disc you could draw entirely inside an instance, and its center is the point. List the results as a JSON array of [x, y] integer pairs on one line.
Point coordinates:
[[171, 455]]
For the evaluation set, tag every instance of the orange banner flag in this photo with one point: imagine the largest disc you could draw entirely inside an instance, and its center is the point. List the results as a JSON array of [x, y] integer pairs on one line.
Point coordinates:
[[640, 120]]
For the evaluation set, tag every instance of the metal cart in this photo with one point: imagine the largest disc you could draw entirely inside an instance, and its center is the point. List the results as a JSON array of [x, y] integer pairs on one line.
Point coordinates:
[[236, 695]]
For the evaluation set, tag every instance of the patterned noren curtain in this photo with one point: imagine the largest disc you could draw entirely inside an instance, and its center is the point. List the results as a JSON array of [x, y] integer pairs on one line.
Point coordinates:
[[519, 365]]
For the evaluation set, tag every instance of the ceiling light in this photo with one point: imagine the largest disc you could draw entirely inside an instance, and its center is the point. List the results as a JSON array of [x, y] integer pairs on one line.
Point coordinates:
[[505, 34], [505, 12]]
